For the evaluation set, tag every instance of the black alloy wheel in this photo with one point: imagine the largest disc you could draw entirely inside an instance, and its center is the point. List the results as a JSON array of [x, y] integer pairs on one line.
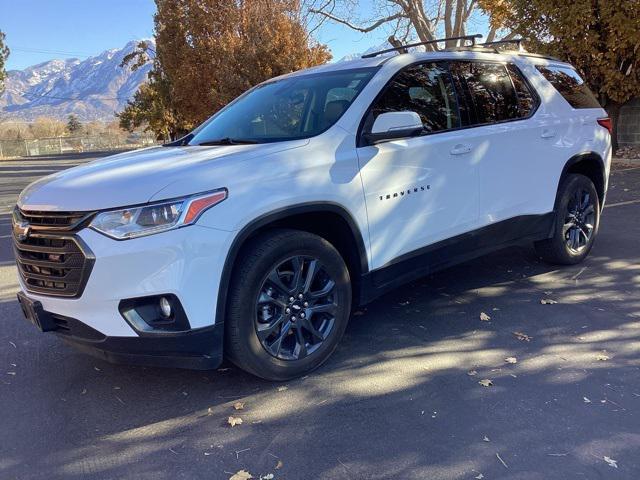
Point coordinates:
[[295, 308]]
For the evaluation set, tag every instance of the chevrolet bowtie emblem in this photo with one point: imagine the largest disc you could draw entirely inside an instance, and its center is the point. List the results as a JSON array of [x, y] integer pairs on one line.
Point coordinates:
[[21, 231]]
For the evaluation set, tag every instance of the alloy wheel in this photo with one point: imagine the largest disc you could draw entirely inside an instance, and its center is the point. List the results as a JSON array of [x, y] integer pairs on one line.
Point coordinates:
[[295, 308], [579, 222]]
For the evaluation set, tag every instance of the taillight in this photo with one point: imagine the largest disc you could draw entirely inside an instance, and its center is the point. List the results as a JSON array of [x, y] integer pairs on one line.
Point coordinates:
[[606, 123]]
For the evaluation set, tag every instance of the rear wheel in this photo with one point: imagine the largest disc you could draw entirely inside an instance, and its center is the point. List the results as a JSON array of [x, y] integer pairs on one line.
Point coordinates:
[[289, 303], [576, 223]]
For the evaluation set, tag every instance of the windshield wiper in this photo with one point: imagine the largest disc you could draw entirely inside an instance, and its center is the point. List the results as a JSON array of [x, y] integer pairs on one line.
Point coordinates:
[[227, 141]]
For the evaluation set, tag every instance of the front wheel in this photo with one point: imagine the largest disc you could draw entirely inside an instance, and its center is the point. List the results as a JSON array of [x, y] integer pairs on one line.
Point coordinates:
[[576, 223], [289, 304]]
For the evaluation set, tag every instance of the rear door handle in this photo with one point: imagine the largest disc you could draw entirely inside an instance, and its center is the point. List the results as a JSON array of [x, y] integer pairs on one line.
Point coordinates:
[[548, 133], [460, 149]]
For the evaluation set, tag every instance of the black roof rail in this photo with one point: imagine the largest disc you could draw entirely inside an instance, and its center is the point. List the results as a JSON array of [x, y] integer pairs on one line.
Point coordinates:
[[516, 41], [470, 38]]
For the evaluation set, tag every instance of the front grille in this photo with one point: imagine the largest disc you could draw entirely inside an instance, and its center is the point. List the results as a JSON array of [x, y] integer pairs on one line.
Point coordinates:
[[53, 221], [51, 261]]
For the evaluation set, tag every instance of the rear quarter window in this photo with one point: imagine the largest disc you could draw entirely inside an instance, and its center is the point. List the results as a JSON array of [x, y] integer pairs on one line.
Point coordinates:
[[570, 85]]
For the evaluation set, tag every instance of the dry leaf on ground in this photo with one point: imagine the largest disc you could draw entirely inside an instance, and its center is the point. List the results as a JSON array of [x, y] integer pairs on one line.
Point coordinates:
[[238, 405], [268, 476], [523, 337], [279, 465], [548, 301], [484, 317], [612, 463], [602, 357], [486, 382], [485, 439], [233, 421], [586, 400], [241, 475], [511, 360]]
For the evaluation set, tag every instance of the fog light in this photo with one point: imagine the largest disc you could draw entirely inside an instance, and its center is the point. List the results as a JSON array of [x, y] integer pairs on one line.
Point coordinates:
[[165, 307]]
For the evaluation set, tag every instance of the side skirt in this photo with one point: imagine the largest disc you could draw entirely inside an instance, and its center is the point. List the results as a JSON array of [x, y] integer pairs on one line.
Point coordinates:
[[455, 250]]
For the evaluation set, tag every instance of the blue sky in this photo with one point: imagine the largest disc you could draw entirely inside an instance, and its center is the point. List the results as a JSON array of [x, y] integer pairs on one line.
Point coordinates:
[[39, 30]]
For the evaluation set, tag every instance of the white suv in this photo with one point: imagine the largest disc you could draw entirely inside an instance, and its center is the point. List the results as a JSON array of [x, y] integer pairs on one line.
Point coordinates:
[[310, 194]]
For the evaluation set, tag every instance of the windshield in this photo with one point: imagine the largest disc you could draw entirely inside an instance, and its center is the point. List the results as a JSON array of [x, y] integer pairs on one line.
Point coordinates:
[[288, 109]]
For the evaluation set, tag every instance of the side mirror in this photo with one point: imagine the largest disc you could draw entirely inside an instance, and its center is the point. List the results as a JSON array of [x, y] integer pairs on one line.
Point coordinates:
[[394, 125]]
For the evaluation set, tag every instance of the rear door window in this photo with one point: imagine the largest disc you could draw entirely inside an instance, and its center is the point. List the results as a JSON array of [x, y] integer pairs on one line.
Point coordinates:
[[570, 85], [489, 92]]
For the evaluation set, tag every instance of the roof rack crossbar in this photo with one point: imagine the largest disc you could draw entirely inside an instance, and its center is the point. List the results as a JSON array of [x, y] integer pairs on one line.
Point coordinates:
[[470, 38], [516, 41]]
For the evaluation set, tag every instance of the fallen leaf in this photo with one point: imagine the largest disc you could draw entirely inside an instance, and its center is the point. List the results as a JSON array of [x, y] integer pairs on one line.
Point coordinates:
[[484, 317], [472, 373], [279, 465], [241, 475], [486, 382], [586, 400], [479, 476], [511, 360], [233, 421], [268, 476], [238, 405], [522, 336], [548, 301], [612, 463], [485, 439], [602, 357]]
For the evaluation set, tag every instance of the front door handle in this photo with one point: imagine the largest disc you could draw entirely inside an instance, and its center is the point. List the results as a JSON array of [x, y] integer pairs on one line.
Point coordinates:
[[548, 133], [460, 149]]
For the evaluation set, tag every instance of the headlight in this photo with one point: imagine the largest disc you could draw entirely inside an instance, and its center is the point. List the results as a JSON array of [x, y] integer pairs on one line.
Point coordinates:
[[156, 217]]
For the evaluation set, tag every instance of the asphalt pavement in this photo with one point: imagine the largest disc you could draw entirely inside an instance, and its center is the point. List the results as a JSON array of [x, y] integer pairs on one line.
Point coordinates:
[[400, 398]]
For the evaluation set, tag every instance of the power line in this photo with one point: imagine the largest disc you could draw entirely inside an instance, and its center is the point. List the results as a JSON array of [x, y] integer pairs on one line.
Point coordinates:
[[26, 94], [55, 52]]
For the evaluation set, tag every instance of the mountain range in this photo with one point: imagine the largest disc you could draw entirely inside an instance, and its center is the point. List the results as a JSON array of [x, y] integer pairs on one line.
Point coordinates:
[[92, 89]]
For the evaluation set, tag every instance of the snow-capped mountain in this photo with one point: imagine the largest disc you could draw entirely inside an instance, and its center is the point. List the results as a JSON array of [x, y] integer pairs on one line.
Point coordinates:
[[92, 89]]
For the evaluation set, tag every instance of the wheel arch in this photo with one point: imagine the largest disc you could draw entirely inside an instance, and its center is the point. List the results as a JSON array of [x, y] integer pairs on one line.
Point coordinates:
[[331, 221], [591, 165]]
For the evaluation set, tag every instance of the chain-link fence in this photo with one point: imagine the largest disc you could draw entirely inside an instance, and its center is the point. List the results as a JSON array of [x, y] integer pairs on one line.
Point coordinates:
[[61, 145]]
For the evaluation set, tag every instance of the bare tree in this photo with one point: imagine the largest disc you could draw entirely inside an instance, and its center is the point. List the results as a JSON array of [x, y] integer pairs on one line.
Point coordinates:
[[423, 18]]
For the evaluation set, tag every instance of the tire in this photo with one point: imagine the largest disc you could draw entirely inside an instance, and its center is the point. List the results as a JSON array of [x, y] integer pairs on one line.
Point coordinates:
[[260, 308], [577, 204]]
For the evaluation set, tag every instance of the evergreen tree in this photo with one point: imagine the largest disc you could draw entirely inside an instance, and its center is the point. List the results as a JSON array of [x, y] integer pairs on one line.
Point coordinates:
[[73, 125]]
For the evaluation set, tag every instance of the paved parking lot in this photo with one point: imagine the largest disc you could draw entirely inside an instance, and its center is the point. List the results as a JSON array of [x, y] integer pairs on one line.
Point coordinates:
[[400, 398]]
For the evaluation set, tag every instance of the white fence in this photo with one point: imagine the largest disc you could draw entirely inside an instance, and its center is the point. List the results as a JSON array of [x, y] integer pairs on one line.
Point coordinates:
[[61, 145]]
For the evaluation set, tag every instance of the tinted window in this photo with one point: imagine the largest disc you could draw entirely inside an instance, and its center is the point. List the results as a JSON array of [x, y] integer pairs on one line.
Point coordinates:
[[567, 81], [527, 101], [425, 89], [491, 96], [296, 107]]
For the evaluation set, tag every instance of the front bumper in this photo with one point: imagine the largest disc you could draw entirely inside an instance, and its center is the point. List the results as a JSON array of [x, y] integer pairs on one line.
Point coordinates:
[[199, 349], [186, 262]]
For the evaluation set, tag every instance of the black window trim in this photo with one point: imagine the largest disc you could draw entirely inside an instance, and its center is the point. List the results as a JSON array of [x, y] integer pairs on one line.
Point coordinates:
[[360, 136]]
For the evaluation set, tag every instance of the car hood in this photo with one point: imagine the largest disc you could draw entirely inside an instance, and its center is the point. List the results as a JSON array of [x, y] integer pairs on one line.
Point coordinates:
[[140, 176]]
